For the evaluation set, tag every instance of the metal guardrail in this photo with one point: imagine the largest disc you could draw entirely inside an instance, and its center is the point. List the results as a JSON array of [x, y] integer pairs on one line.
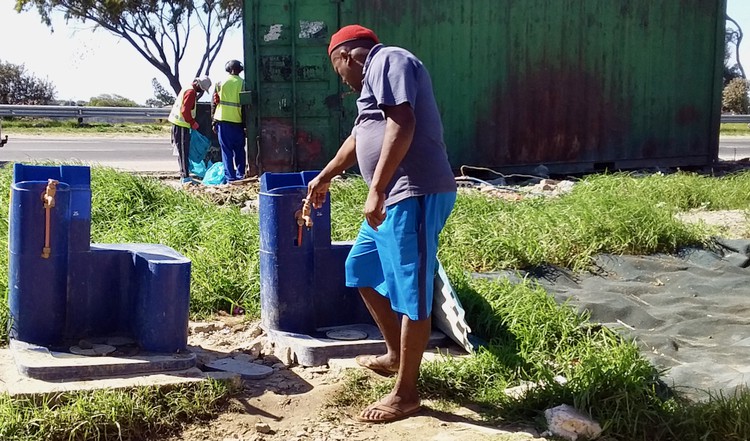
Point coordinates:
[[735, 118], [84, 112], [153, 112]]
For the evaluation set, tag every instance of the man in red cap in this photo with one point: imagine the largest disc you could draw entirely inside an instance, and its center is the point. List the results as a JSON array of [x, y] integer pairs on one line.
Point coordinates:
[[397, 141]]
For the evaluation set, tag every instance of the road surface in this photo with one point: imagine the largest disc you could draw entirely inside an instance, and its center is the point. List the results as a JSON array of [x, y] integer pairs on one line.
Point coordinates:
[[148, 154], [144, 154], [734, 148]]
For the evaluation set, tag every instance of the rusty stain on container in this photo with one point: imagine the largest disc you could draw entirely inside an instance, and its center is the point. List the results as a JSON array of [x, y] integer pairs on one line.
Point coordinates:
[[549, 116]]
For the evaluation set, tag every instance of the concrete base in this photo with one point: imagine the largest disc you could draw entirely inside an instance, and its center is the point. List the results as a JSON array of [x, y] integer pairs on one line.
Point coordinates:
[[318, 349], [15, 384], [41, 363]]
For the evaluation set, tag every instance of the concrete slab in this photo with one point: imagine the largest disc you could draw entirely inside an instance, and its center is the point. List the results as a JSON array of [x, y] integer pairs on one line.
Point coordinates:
[[429, 356], [15, 384], [42, 363], [316, 350], [246, 369]]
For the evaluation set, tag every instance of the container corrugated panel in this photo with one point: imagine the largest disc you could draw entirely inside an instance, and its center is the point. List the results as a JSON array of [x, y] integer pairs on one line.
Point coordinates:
[[296, 111], [573, 84]]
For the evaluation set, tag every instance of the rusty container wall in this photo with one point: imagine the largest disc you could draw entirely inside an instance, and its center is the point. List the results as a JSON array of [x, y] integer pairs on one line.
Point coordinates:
[[572, 84], [295, 109], [576, 85]]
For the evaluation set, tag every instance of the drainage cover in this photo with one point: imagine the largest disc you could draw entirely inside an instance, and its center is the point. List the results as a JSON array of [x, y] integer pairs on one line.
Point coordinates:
[[93, 351], [346, 334]]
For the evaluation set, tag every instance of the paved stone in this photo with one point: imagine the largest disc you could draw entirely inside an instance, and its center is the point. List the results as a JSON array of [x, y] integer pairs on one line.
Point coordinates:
[[247, 369]]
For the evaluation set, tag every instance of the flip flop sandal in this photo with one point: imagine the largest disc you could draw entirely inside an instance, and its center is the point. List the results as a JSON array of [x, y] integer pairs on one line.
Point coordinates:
[[370, 362], [389, 414]]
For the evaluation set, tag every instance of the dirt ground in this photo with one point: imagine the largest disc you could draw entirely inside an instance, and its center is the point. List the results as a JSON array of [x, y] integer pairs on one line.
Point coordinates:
[[291, 403]]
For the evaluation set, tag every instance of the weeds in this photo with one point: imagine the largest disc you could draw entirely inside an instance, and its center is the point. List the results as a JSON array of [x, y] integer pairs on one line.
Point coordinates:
[[529, 337], [109, 414]]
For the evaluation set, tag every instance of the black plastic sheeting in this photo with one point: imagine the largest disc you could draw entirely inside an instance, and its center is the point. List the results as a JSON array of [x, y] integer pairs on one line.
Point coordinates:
[[689, 313]]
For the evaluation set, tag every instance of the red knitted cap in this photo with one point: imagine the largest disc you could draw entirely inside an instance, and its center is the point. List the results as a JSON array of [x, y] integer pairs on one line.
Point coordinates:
[[349, 33]]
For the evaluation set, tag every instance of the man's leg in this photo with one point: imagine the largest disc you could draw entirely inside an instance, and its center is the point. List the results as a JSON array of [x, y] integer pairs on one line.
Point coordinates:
[[227, 152], [182, 138], [387, 321], [404, 397], [430, 213], [240, 158]]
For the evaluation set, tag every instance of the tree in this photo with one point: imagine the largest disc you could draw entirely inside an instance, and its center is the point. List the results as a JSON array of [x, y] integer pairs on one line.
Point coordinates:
[[734, 98], [20, 87], [159, 30], [732, 37], [114, 100], [161, 96]]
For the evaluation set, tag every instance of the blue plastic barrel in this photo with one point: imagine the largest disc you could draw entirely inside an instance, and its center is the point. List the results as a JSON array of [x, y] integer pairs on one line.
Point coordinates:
[[78, 178], [162, 303], [38, 285], [286, 266]]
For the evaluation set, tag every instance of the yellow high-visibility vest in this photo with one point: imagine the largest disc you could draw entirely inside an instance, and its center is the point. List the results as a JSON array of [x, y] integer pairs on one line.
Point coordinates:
[[175, 116], [229, 109]]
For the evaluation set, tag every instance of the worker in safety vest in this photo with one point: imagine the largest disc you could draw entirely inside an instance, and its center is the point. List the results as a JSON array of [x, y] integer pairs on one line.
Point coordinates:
[[182, 118], [229, 122]]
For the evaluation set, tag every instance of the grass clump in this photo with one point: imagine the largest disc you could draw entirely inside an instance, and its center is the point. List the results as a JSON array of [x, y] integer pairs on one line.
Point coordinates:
[[141, 413], [221, 242], [619, 213], [529, 337], [734, 129], [41, 126]]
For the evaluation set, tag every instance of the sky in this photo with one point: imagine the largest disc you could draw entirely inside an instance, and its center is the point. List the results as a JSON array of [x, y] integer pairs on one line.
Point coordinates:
[[83, 64]]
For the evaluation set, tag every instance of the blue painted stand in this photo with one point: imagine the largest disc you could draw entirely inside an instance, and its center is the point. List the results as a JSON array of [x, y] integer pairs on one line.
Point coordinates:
[[302, 290], [85, 291], [302, 284]]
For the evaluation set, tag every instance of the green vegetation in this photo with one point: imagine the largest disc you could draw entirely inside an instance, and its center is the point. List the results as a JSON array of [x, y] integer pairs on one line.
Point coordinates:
[[530, 337], [734, 97], [39, 126], [735, 129], [142, 413]]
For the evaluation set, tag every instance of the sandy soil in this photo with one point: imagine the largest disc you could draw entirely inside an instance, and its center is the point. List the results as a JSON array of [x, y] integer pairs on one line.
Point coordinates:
[[292, 404]]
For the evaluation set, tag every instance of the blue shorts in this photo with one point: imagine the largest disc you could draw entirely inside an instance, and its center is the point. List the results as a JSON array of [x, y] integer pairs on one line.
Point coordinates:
[[400, 259]]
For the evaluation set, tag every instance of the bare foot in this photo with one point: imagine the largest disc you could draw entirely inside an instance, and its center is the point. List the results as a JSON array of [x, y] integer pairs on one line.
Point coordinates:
[[389, 408], [383, 364]]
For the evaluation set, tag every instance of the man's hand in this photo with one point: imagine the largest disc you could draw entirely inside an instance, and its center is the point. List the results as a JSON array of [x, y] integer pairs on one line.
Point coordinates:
[[194, 125], [316, 191], [375, 209]]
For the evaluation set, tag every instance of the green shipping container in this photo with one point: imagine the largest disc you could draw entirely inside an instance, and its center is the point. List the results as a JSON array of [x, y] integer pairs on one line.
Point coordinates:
[[576, 85]]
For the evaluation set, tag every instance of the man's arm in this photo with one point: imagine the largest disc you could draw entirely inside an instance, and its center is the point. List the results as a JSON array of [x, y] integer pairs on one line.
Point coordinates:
[[346, 157], [399, 132]]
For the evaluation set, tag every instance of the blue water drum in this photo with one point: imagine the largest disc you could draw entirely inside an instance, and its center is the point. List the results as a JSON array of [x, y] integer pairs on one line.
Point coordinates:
[[78, 177], [38, 279], [286, 264], [162, 301]]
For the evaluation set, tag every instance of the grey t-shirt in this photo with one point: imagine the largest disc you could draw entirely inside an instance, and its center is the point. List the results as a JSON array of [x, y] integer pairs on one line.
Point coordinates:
[[394, 76]]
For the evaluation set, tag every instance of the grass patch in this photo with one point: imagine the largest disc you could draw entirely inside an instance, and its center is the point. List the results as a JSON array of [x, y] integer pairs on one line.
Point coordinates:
[[531, 338], [141, 413], [42, 126], [734, 129]]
